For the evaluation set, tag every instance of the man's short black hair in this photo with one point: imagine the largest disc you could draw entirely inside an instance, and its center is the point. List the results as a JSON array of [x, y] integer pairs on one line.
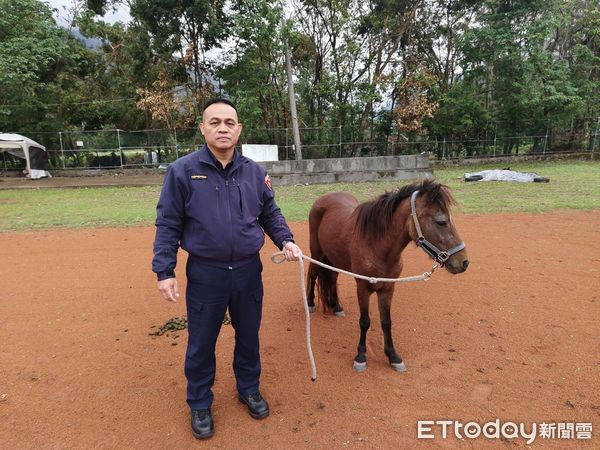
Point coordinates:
[[218, 100]]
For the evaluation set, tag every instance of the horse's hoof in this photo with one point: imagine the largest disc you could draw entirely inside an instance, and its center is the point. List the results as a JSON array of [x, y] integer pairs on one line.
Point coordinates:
[[311, 309], [398, 367], [340, 313], [359, 367]]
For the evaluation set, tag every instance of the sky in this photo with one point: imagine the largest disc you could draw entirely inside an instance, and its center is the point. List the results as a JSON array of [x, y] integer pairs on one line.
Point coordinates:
[[64, 13]]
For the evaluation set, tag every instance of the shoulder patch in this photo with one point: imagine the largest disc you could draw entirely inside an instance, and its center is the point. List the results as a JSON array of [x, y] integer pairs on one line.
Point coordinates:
[[198, 177], [268, 182]]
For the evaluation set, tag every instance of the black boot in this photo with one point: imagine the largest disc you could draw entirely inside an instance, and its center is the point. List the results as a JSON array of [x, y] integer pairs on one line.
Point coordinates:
[[257, 405], [202, 423]]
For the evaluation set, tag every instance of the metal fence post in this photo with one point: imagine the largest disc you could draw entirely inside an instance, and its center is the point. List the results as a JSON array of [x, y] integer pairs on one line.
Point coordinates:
[[545, 141], [120, 149], [444, 148], [287, 156], [595, 135], [340, 137], [62, 149], [176, 143]]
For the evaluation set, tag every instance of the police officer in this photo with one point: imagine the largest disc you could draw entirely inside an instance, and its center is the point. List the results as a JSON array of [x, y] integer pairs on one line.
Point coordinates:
[[217, 205]]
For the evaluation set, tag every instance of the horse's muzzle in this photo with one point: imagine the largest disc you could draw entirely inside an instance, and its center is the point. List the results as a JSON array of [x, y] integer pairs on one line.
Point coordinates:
[[457, 263]]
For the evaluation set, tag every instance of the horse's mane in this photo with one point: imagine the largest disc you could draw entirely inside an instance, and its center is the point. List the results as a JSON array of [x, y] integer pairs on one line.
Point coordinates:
[[373, 217]]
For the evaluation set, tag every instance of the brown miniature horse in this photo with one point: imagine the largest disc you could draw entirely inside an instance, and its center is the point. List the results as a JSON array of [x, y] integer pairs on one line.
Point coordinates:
[[368, 239]]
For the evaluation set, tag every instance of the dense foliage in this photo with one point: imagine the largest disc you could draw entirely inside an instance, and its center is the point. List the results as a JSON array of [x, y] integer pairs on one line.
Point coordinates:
[[461, 74]]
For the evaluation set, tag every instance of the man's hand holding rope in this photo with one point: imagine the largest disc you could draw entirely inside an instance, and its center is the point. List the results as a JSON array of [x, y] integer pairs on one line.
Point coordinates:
[[291, 251]]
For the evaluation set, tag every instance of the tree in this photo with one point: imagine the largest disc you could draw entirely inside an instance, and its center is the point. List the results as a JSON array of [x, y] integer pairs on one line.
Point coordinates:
[[512, 56], [351, 50], [254, 76], [32, 55], [182, 32]]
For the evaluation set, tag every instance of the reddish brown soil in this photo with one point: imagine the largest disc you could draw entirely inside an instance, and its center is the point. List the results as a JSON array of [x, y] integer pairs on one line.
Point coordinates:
[[516, 337]]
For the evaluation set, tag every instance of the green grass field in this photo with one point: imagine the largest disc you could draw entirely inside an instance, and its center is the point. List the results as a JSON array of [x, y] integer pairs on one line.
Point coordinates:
[[573, 185]]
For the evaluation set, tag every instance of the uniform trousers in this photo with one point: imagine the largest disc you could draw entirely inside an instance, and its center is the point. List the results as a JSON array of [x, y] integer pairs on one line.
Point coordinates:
[[210, 292]]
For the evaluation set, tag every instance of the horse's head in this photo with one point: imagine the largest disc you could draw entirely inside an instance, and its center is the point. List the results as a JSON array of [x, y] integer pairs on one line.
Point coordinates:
[[423, 217], [433, 228]]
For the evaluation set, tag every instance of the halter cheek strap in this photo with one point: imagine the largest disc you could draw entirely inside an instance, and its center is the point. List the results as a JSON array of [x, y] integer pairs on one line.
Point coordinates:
[[437, 254]]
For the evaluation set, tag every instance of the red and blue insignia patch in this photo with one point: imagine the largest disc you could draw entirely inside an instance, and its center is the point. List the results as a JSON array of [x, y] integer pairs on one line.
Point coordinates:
[[268, 182]]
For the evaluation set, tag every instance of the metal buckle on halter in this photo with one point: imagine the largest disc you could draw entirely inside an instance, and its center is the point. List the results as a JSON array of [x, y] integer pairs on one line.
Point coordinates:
[[442, 257]]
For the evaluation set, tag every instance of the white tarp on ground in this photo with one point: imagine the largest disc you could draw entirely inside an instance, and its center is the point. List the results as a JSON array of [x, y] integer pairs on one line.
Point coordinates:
[[505, 175], [23, 147]]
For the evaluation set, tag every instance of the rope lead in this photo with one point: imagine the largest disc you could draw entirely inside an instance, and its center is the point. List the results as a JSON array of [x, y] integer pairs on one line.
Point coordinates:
[[279, 257]]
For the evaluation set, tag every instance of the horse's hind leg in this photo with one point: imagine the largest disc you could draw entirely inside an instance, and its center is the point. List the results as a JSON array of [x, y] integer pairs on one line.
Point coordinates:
[[384, 300], [337, 307], [327, 285], [363, 292], [313, 272]]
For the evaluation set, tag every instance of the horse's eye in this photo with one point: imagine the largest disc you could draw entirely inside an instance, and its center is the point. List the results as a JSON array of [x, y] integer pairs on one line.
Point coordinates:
[[441, 223]]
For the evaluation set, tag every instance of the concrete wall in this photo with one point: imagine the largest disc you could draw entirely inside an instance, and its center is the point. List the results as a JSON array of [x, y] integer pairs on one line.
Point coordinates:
[[308, 171], [322, 171]]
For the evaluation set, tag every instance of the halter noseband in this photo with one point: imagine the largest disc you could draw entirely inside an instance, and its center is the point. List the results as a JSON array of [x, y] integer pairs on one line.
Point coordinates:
[[437, 254]]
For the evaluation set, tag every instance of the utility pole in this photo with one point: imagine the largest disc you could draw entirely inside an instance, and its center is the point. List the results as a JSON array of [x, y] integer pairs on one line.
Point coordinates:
[[292, 95]]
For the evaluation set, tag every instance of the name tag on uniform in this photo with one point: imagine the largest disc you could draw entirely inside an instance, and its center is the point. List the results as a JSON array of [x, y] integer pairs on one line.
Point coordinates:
[[199, 177]]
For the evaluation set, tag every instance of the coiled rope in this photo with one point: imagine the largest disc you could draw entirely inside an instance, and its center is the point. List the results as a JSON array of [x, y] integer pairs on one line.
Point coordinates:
[[279, 257]]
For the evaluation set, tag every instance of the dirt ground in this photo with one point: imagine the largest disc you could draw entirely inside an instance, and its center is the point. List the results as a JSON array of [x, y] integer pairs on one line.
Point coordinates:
[[115, 179], [515, 338]]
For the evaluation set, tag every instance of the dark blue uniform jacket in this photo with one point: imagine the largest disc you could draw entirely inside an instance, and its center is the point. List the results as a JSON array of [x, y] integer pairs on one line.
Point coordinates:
[[217, 215]]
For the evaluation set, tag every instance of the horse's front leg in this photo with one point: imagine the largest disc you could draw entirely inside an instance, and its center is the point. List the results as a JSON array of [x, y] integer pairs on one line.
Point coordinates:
[[384, 300], [364, 293]]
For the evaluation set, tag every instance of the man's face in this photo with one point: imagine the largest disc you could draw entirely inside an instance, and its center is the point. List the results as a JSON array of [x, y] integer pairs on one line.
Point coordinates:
[[220, 127]]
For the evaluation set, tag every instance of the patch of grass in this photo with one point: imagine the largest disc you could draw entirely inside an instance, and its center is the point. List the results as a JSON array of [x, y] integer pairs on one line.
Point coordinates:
[[573, 185], [26, 209]]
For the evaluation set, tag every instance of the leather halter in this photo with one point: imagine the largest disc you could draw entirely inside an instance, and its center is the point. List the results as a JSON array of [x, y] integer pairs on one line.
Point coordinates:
[[437, 254]]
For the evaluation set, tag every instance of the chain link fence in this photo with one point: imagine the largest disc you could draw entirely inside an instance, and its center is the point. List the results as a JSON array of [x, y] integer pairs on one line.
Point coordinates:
[[159, 147]]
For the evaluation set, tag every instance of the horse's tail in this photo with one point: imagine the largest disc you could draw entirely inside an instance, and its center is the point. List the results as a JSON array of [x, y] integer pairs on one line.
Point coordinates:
[[326, 285], [326, 280]]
